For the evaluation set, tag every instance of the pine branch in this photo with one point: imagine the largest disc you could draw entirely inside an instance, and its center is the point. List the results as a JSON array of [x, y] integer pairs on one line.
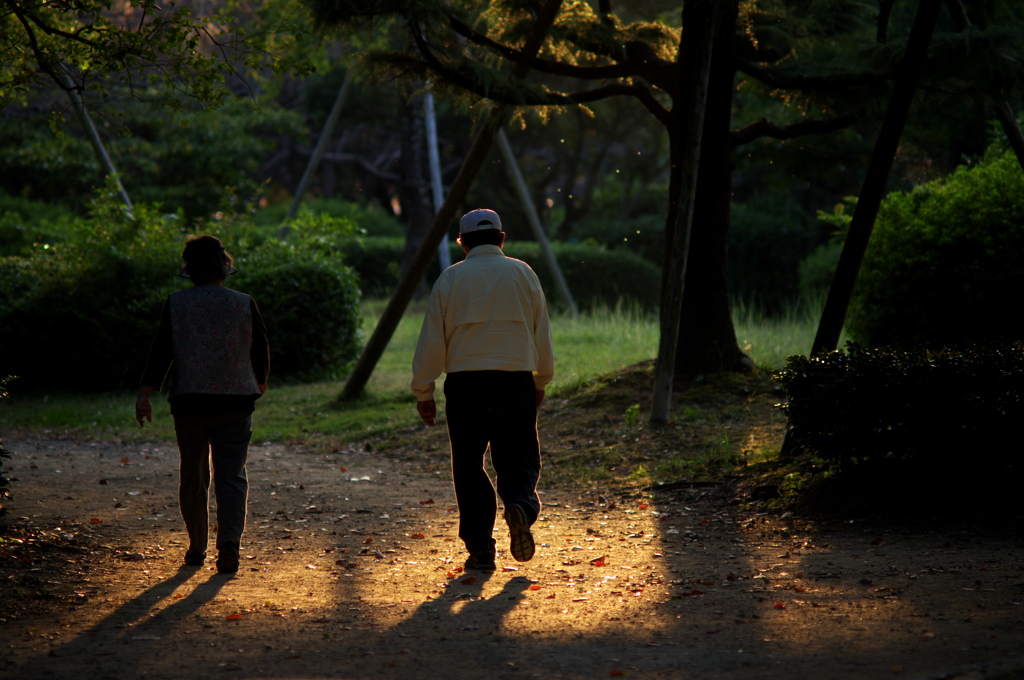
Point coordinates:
[[809, 126], [785, 81]]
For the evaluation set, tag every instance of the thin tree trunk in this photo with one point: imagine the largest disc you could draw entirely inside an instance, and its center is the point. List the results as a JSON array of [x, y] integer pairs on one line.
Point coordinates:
[[914, 58], [707, 337], [700, 18], [378, 342]]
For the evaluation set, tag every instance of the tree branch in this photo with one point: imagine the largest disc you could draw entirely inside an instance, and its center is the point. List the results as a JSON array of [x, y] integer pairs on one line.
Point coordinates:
[[543, 65], [810, 126], [836, 81]]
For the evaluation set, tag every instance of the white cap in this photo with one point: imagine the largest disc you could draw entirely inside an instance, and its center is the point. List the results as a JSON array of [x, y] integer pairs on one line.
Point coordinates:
[[476, 220]]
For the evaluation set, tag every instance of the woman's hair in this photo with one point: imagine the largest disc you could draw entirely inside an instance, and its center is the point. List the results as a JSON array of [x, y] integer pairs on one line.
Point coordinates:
[[483, 237], [206, 260]]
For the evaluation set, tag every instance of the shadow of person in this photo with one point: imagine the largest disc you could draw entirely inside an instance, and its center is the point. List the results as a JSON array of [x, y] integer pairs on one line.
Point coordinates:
[[469, 615], [121, 640]]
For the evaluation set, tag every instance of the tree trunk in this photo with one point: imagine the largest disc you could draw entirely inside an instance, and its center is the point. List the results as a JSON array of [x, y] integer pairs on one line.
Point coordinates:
[[415, 188], [707, 338], [701, 19], [914, 58]]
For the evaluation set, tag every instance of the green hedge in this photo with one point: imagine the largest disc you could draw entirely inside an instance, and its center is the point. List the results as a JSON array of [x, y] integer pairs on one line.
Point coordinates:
[[595, 275], [950, 407], [944, 263], [81, 315]]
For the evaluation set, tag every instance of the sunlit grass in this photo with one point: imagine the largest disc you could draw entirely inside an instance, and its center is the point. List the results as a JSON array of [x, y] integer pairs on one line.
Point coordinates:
[[593, 344]]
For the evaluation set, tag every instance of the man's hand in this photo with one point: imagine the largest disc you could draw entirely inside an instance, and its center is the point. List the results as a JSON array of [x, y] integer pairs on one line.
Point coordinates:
[[540, 397], [143, 409], [427, 411]]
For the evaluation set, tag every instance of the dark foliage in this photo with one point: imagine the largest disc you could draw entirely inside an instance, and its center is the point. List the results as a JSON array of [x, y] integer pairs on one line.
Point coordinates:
[[5, 483], [85, 319], [882, 408]]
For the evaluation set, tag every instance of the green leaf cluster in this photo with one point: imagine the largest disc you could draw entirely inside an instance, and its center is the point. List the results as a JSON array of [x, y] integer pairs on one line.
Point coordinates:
[[944, 261]]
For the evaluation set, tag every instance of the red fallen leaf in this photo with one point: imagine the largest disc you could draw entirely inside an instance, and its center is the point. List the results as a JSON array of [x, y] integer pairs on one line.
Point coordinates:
[[598, 561], [457, 569], [427, 502], [417, 536], [706, 583], [705, 521], [550, 597], [344, 551], [177, 595], [369, 539], [779, 605], [450, 575], [449, 540], [469, 581], [696, 592], [343, 469], [798, 589], [234, 617], [643, 506], [124, 460], [534, 587], [616, 673], [96, 520]]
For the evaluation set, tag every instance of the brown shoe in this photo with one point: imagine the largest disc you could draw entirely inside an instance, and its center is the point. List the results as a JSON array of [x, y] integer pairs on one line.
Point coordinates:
[[520, 539]]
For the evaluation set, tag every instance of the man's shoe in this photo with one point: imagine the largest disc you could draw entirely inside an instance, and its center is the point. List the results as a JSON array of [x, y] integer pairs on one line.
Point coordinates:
[[481, 561], [227, 559], [194, 559], [520, 538]]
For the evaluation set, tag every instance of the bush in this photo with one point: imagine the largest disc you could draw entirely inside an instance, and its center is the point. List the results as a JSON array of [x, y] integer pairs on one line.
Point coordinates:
[[932, 407], [85, 311], [5, 483], [310, 303], [596, 276], [945, 260]]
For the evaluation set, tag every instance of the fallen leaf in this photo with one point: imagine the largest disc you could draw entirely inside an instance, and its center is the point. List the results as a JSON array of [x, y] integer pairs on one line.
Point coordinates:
[[378, 554], [534, 587], [124, 460], [616, 673], [417, 536], [369, 539], [427, 502], [510, 569], [96, 520], [643, 506], [234, 617], [581, 599], [343, 469], [469, 581], [177, 595], [779, 605], [598, 561]]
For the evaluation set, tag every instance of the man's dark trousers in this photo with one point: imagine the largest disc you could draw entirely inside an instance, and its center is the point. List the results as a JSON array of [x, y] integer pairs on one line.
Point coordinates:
[[497, 408]]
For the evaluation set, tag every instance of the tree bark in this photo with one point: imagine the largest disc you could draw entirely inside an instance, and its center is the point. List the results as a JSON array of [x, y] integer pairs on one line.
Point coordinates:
[[914, 58], [707, 338], [414, 191], [701, 19]]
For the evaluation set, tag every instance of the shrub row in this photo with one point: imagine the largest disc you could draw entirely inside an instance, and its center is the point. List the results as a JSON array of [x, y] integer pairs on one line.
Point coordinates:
[[595, 275], [951, 406], [81, 316]]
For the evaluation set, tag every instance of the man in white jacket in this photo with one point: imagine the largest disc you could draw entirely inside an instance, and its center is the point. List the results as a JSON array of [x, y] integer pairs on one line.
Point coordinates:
[[487, 328]]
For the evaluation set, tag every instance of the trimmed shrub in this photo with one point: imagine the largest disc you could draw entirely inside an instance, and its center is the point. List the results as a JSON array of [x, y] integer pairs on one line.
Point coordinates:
[[932, 407], [5, 484], [944, 261], [310, 303], [595, 275]]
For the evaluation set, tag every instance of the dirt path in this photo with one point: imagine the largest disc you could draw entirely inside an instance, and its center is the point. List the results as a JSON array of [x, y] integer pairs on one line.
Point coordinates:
[[350, 571]]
